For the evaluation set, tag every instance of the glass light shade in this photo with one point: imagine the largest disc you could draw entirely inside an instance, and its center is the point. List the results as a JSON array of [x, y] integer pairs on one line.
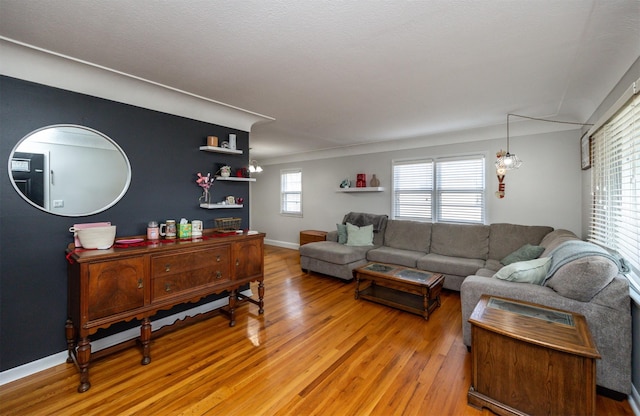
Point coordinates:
[[508, 161]]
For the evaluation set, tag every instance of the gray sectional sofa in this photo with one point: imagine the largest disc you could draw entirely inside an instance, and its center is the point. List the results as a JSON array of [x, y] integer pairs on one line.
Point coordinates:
[[581, 277]]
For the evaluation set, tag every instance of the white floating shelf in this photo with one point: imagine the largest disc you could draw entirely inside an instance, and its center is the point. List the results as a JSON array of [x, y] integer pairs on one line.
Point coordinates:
[[220, 206], [366, 189], [234, 179], [216, 149]]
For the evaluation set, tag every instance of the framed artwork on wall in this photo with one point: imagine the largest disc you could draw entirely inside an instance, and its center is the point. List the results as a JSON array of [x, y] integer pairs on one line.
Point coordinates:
[[585, 152]]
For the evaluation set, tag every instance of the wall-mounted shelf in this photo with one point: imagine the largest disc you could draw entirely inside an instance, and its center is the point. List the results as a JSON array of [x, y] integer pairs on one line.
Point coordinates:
[[220, 206], [366, 189], [234, 179], [216, 149]]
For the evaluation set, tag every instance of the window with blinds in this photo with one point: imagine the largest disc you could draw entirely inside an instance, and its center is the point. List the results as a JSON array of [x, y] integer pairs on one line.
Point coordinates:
[[615, 178], [460, 190], [440, 190], [291, 192]]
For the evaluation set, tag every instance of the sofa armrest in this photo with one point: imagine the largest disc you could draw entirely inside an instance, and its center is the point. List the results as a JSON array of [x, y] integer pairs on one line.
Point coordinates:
[[332, 236]]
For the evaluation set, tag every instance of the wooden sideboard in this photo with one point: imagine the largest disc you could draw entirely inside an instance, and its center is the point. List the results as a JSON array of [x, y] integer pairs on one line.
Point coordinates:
[[136, 281]]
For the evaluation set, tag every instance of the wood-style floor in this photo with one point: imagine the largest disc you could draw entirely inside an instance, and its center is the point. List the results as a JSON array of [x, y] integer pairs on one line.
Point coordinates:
[[315, 351]]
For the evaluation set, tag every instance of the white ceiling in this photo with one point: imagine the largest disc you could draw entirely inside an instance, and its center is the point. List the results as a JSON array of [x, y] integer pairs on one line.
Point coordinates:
[[336, 73]]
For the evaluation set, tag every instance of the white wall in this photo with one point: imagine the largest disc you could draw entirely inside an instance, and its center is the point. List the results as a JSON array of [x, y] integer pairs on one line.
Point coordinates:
[[544, 191]]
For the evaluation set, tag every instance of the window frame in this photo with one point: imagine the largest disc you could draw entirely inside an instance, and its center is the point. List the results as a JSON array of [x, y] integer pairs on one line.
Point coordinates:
[[435, 191], [284, 193], [615, 160]]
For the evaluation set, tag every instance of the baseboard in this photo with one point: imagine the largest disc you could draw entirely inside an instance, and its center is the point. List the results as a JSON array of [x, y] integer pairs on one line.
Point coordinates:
[[634, 400], [283, 244], [33, 367]]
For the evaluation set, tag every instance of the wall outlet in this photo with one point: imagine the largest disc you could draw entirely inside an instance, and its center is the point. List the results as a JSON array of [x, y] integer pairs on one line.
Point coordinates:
[[58, 203]]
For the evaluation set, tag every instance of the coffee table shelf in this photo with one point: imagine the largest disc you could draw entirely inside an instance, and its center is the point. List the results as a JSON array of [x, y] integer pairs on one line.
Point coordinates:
[[410, 290]]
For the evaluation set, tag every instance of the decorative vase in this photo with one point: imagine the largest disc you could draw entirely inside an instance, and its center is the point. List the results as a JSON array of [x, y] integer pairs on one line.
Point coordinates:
[[225, 171], [206, 197], [375, 182]]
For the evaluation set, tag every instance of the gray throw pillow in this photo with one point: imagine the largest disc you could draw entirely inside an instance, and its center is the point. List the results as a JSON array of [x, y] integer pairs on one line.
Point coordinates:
[[342, 233], [524, 253]]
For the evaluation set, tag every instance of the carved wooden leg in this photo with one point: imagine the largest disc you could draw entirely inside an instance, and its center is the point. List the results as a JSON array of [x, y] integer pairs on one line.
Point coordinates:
[[84, 358], [357, 294], [145, 340], [261, 296], [425, 302], [70, 333], [232, 307]]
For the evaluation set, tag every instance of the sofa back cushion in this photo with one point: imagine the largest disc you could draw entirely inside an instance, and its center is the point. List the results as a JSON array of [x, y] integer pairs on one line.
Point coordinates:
[[408, 235], [469, 241], [507, 238], [554, 239]]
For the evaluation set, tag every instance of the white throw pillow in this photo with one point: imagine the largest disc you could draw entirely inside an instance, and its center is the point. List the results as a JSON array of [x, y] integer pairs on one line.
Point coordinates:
[[359, 236], [530, 271]]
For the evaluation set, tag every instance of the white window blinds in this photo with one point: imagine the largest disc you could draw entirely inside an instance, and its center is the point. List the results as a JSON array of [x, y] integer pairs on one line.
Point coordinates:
[[615, 216], [460, 190], [413, 190], [440, 190], [291, 192]]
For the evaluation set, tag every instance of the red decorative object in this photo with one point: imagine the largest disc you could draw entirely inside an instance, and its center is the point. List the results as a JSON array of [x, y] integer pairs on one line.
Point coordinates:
[[361, 180]]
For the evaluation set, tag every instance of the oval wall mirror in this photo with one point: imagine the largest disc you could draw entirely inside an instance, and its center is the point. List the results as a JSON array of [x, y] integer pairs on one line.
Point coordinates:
[[69, 170]]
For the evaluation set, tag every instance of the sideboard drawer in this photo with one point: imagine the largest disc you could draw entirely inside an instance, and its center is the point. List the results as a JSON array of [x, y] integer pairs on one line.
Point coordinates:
[[168, 286], [171, 264]]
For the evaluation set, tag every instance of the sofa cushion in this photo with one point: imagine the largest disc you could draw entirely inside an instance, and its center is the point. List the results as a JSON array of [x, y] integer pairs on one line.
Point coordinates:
[[408, 235], [557, 240], [494, 265], [459, 266], [359, 236], [469, 241], [342, 233], [583, 278], [506, 238], [392, 255], [530, 271], [557, 234], [524, 253], [334, 252]]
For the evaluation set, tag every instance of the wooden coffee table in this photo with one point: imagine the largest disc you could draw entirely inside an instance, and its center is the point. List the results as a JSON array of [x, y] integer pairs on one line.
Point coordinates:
[[411, 290]]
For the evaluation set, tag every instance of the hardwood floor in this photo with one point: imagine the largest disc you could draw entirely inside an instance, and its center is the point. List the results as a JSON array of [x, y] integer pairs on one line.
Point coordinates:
[[315, 351]]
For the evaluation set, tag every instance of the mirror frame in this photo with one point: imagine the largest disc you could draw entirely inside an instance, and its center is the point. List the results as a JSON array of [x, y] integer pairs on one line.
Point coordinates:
[[102, 135]]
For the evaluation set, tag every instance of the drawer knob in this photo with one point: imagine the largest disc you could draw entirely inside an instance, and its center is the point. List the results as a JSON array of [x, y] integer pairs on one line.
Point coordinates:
[[140, 284], [218, 275], [167, 287], [218, 259], [237, 262], [167, 267]]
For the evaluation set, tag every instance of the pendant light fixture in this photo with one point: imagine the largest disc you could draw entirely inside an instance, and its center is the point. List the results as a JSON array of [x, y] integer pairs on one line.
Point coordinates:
[[508, 160]]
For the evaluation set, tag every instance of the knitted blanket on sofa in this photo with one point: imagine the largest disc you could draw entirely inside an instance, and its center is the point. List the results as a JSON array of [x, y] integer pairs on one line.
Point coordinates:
[[577, 249]]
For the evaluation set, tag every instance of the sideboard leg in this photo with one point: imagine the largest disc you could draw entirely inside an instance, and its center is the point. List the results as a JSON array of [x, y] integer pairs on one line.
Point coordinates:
[[145, 340], [232, 307], [261, 296], [84, 358], [70, 333]]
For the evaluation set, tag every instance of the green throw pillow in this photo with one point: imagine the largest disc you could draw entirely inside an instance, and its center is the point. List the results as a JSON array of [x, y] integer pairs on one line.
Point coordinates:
[[532, 271], [524, 253], [342, 233], [359, 236]]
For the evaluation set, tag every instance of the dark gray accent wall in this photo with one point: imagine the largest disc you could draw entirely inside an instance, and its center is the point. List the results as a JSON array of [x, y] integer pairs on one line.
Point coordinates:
[[164, 156]]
